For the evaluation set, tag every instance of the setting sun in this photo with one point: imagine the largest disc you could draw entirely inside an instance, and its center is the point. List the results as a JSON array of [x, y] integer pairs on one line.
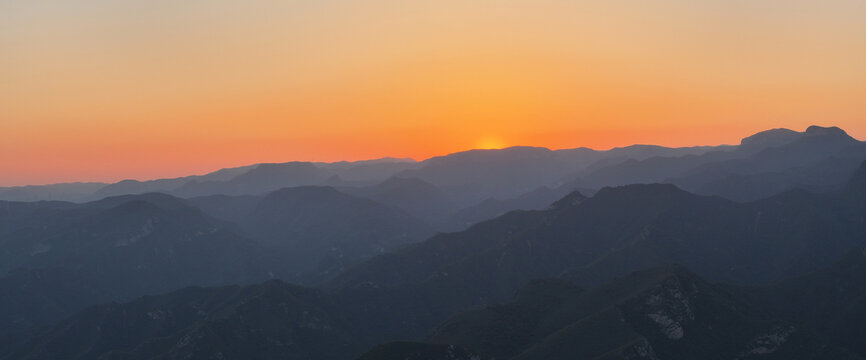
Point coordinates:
[[490, 142]]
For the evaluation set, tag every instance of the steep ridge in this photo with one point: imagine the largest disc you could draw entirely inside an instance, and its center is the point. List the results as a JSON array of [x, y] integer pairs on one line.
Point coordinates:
[[832, 301], [665, 312], [661, 313]]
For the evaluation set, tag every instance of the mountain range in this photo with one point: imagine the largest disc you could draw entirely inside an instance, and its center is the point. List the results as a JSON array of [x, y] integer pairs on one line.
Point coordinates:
[[754, 251]]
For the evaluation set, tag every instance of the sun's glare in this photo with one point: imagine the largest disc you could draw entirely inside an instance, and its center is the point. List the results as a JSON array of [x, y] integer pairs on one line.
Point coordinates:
[[490, 142]]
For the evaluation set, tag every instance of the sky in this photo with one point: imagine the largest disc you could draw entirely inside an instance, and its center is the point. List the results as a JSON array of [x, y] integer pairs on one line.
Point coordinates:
[[104, 90]]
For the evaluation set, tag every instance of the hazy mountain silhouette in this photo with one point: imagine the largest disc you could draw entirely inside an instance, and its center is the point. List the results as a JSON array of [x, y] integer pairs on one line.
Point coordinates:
[[313, 233], [58, 257], [415, 196], [476, 175], [769, 138], [132, 187], [257, 179], [764, 164], [54, 192], [803, 159]]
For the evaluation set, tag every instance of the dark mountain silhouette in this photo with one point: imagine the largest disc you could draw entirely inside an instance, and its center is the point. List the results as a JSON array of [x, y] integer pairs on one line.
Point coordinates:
[[63, 258], [266, 321], [404, 350], [832, 301], [665, 312], [662, 313]]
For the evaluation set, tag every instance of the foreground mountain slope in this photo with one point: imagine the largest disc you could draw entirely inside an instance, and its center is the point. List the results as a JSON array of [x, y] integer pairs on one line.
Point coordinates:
[[266, 321], [405, 350], [663, 313], [832, 301]]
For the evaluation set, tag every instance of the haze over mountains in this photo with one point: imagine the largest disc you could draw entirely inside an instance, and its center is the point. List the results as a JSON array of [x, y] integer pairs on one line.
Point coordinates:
[[766, 163], [732, 252]]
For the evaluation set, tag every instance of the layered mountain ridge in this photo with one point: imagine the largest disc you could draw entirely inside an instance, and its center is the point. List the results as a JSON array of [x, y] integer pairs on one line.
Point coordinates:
[[753, 251]]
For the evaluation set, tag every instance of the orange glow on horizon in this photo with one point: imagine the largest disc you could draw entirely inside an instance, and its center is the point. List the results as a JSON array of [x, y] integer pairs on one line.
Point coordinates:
[[104, 91]]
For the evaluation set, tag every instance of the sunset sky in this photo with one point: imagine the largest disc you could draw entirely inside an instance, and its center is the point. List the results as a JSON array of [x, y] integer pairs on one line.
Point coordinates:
[[102, 90]]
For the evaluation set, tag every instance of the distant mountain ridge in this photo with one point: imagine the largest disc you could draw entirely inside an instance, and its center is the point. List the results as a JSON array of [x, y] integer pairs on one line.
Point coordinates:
[[819, 158]]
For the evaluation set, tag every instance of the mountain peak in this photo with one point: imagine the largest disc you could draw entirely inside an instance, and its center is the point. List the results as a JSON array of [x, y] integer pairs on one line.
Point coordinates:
[[816, 130], [772, 137]]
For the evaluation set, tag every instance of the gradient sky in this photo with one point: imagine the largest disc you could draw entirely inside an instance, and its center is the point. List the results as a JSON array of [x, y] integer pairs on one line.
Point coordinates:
[[112, 89]]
